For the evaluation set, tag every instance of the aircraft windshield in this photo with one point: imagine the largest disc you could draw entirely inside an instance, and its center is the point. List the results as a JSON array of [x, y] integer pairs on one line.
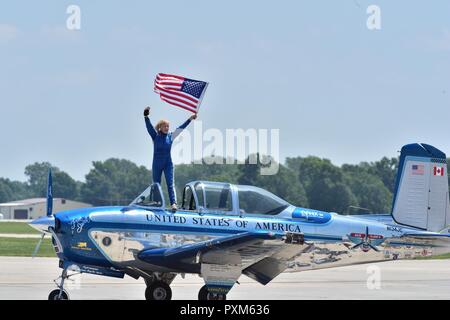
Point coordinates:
[[214, 196], [218, 197], [151, 197], [259, 201]]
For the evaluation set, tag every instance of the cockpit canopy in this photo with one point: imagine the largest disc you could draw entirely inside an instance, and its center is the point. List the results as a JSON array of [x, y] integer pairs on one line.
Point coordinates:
[[218, 197]]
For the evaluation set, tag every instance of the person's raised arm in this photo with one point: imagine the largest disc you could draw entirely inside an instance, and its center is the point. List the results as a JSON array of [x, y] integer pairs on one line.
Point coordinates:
[[151, 131], [183, 126]]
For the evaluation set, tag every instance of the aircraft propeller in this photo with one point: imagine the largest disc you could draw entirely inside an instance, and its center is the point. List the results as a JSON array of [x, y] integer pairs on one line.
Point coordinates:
[[49, 209], [366, 242]]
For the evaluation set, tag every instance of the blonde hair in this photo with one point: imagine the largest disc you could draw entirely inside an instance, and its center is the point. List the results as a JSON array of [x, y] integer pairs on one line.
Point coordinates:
[[160, 124]]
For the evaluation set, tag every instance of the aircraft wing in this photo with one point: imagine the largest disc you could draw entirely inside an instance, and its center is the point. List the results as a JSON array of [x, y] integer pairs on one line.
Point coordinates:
[[268, 268], [186, 253], [259, 256]]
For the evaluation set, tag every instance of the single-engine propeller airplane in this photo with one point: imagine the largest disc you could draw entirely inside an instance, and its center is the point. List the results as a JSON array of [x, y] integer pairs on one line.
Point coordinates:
[[222, 231]]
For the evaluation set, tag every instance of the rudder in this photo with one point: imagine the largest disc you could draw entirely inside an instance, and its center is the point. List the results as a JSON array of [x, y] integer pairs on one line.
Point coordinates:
[[421, 189]]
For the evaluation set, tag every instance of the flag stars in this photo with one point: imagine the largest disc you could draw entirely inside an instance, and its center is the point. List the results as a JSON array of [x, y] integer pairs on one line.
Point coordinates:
[[194, 88]]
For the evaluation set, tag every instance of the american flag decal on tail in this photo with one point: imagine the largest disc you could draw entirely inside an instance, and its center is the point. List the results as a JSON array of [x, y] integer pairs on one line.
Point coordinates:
[[418, 169], [180, 91]]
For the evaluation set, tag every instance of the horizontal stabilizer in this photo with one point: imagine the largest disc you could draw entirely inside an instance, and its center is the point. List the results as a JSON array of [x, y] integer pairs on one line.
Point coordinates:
[[437, 243]]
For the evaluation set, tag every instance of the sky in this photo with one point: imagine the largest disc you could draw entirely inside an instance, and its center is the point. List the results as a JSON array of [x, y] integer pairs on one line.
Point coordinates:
[[312, 69]]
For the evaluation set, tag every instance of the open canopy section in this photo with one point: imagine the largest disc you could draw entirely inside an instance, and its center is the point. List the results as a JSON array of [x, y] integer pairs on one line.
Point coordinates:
[[151, 197]]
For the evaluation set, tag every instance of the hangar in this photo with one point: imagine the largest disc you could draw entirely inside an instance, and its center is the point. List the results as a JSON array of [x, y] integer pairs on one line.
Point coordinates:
[[36, 207]]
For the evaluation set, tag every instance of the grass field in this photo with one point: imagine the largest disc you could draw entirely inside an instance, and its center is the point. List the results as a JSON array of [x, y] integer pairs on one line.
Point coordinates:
[[24, 247], [17, 227]]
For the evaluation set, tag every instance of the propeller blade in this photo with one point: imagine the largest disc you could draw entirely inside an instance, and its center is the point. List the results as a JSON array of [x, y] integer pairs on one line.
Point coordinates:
[[49, 193], [357, 245], [373, 247], [38, 245]]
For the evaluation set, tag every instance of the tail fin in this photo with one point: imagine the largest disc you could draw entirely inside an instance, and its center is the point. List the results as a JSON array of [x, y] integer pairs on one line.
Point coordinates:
[[421, 198]]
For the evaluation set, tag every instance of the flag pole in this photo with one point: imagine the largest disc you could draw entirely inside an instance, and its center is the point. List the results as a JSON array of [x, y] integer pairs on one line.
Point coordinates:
[[201, 97]]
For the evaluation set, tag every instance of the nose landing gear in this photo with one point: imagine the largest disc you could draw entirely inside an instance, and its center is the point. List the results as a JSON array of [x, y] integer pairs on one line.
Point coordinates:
[[57, 294], [60, 293]]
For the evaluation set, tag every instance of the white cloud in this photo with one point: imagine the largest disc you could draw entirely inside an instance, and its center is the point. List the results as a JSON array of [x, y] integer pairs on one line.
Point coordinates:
[[445, 40], [8, 33], [437, 42], [72, 78], [60, 34], [132, 35]]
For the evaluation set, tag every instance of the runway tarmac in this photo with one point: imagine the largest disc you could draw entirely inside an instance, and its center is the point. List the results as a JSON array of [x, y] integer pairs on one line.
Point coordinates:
[[27, 278]]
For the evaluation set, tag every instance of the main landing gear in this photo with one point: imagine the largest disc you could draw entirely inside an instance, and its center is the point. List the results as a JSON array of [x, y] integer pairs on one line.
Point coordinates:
[[158, 290], [158, 286], [204, 294]]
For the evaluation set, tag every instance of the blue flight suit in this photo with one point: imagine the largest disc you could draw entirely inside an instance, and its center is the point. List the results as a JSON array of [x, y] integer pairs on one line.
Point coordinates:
[[162, 160]]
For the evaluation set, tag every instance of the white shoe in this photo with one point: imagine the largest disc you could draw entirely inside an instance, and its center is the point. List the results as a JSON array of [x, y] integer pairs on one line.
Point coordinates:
[[174, 206]]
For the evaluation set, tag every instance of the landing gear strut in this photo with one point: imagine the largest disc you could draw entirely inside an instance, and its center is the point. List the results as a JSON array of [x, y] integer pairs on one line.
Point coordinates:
[[204, 294], [60, 293], [158, 290]]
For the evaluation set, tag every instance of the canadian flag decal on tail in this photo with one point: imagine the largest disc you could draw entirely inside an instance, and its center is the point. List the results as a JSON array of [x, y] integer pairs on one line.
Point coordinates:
[[438, 171]]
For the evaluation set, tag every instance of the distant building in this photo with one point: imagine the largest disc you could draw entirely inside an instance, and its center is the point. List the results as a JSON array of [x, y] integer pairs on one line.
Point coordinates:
[[34, 208]]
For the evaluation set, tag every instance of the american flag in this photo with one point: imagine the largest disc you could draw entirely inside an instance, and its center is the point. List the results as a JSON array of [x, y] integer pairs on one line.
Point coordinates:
[[418, 169], [180, 91]]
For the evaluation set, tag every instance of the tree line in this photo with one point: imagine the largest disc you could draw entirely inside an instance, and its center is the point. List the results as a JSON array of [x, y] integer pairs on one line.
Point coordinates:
[[310, 182]]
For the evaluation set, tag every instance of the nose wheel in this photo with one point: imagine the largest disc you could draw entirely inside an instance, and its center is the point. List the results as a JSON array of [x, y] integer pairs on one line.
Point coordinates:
[[158, 290], [204, 294], [60, 293], [57, 294]]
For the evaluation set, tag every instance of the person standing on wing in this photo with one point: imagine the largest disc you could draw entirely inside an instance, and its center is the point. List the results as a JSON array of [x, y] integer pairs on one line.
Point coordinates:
[[162, 145]]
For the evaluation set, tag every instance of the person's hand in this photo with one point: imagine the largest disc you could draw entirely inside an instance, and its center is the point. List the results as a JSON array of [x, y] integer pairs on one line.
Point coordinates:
[[193, 117], [146, 112]]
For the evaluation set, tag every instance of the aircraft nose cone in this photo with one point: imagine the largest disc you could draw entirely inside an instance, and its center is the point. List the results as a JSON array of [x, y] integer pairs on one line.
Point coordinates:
[[43, 223]]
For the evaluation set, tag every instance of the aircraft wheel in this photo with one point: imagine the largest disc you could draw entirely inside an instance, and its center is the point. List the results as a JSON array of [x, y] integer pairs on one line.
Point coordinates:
[[204, 294], [54, 295], [158, 290]]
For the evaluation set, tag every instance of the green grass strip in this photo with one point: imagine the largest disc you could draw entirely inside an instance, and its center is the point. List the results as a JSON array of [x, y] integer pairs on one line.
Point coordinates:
[[17, 227], [24, 247]]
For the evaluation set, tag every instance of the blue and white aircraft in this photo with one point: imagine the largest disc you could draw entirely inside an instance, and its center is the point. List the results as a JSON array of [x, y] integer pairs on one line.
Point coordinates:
[[222, 231]]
